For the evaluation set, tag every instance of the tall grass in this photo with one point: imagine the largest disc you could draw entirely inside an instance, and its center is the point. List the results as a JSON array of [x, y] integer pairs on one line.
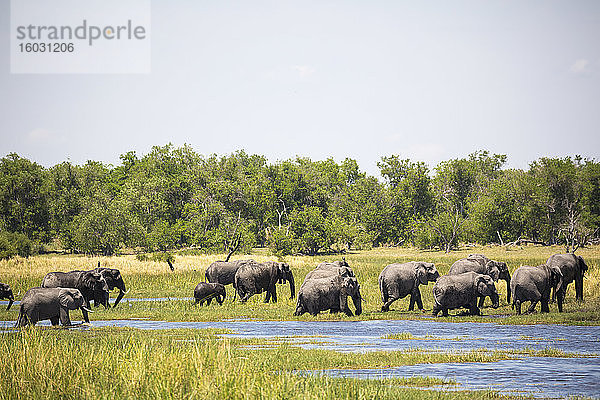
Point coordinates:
[[154, 279], [123, 364]]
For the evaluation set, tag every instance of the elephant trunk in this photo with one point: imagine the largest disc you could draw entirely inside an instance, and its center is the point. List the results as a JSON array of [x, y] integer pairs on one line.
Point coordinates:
[[495, 300], [11, 300], [290, 279], [357, 300], [122, 292], [579, 287], [508, 289]]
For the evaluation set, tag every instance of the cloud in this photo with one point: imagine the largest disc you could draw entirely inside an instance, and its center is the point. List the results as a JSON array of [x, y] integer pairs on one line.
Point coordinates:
[[304, 70], [580, 66], [39, 135]]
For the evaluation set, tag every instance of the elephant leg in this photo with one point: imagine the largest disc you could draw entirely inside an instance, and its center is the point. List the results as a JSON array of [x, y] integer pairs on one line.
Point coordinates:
[[208, 301], [267, 296], [531, 308], [545, 308], [244, 297], [445, 312], [517, 304], [474, 310], [64, 317], [85, 316], [274, 294], [561, 299], [417, 298], [435, 311], [386, 306], [219, 299], [196, 301], [54, 321], [481, 301]]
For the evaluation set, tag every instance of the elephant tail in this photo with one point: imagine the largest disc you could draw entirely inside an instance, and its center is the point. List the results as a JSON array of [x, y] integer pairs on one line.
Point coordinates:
[[22, 319], [383, 290]]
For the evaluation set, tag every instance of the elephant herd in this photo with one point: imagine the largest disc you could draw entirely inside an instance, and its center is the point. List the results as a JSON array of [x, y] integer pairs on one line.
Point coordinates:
[[61, 292], [327, 287]]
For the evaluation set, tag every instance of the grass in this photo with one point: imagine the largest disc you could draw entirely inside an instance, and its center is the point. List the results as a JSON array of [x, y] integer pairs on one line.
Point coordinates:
[[154, 280], [126, 363]]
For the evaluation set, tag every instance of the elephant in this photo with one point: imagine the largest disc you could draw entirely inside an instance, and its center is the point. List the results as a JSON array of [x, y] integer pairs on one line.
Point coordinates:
[[90, 283], [207, 291], [483, 265], [113, 280], [534, 284], [50, 303], [6, 293], [329, 293], [462, 290], [223, 272], [573, 268], [253, 278], [328, 269], [397, 281]]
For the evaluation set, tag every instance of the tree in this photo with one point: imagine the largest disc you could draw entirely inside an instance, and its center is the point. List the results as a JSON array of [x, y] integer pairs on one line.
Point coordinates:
[[24, 198]]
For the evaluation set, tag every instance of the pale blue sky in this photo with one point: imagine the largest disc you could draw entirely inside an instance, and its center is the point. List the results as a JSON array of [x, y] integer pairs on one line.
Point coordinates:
[[428, 80]]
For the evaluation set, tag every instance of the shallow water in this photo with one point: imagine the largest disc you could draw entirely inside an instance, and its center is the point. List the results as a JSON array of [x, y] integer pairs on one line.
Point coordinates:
[[535, 375], [362, 336], [123, 300]]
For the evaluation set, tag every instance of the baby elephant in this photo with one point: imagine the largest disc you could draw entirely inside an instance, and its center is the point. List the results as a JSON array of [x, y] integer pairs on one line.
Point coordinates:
[[534, 284], [207, 291], [462, 290], [50, 303]]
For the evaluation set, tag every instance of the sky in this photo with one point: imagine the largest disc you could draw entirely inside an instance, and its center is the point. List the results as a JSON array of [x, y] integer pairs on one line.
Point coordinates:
[[425, 80]]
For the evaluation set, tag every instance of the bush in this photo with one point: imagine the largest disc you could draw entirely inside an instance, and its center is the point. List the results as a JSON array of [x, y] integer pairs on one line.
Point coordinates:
[[12, 244]]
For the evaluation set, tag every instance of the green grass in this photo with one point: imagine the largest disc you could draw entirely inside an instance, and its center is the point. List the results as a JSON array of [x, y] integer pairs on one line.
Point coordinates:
[[196, 364], [153, 279]]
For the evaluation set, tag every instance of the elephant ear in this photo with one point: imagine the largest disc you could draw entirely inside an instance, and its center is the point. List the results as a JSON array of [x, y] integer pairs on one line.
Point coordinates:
[[582, 265], [557, 277], [66, 299], [483, 285], [421, 274]]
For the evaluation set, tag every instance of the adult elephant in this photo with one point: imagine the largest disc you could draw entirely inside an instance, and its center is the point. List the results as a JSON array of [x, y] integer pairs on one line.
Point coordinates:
[[397, 281], [455, 291], [329, 293], [6, 293], [252, 278], [326, 269], [483, 265], [573, 268], [223, 272], [90, 283], [534, 284], [114, 280], [50, 303]]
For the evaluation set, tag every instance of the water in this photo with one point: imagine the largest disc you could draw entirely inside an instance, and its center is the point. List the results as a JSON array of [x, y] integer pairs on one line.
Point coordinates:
[[123, 300], [539, 376]]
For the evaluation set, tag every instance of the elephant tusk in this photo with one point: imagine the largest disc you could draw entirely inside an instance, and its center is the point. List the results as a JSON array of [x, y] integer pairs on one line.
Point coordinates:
[[86, 309]]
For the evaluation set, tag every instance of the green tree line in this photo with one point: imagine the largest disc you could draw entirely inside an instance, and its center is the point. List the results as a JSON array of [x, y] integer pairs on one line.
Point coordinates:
[[174, 198]]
